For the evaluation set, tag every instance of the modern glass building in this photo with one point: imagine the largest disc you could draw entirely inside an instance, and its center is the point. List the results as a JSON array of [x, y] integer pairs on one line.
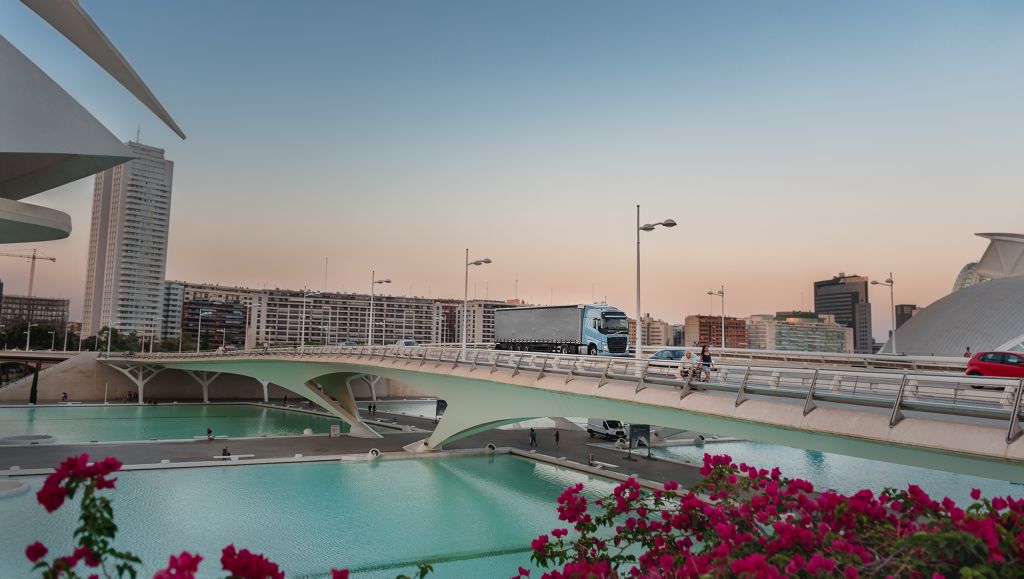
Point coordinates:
[[846, 298]]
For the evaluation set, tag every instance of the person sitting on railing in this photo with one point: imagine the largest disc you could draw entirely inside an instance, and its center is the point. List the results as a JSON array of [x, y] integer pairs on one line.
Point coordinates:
[[688, 366]]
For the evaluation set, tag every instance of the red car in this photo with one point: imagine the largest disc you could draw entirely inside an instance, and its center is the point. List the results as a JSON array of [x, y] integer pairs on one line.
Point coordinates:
[[1002, 364]]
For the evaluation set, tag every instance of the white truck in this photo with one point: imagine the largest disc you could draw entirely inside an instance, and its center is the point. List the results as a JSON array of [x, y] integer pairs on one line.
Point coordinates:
[[610, 429]]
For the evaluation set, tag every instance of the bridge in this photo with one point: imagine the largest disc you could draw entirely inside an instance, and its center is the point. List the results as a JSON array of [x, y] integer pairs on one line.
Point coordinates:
[[934, 420]]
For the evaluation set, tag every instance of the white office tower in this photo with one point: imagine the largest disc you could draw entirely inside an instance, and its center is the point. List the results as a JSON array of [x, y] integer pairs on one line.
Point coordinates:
[[131, 210]]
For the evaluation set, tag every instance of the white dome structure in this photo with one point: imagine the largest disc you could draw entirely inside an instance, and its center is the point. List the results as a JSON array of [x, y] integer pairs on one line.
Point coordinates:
[[987, 316]]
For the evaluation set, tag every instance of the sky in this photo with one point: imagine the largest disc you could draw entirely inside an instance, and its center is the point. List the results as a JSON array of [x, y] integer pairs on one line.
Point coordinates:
[[791, 140]]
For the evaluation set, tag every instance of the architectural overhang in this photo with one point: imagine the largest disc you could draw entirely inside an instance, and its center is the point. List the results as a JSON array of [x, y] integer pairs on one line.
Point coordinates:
[[24, 222]]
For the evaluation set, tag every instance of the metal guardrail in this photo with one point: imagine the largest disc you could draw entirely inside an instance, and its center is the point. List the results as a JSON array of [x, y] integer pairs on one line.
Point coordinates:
[[744, 356], [893, 391]]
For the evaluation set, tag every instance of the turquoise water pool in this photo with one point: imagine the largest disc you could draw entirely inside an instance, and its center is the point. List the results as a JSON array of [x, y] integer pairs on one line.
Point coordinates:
[[845, 473], [475, 515], [164, 421]]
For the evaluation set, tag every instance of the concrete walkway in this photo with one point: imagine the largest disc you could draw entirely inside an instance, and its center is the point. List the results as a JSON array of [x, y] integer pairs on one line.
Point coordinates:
[[576, 446]]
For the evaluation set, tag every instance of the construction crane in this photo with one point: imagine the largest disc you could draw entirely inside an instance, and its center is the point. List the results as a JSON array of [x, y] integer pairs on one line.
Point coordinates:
[[33, 257]]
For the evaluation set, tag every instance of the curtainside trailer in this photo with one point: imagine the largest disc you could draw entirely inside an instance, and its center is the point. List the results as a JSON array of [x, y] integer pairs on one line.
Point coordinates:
[[594, 329]]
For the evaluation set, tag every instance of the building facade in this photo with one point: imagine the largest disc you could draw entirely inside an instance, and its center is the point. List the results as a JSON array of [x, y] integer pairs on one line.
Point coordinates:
[[128, 244], [846, 298], [707, 330], [50, 312], [799, 331], [480, 317], [904, 312]]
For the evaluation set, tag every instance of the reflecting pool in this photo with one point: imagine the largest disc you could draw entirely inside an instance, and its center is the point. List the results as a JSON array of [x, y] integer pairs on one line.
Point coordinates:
[[845, 474], [471, 516], [163, 421]]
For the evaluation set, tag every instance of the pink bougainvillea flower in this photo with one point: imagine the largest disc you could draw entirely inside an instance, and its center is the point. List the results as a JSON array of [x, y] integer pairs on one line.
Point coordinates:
[[339, 573], [183, 566], [36, 551]]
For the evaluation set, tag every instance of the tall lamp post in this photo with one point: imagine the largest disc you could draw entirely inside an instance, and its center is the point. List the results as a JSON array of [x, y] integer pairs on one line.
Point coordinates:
[[28, 336], [720, 293], [53, 339], [302, 332], [369, 326], [639, 323], [892, 304], [199, 331], [465, 295]]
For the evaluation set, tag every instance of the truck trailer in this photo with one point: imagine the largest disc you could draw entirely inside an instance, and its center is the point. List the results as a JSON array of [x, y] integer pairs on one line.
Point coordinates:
[[594, 329]]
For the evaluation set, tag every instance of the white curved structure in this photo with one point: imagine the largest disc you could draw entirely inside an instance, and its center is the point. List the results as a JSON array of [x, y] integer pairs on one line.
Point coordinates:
[[986, 316], [47, 138]]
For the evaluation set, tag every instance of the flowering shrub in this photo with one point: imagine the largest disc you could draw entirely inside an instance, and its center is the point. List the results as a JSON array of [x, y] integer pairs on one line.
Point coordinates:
[[756, 523]]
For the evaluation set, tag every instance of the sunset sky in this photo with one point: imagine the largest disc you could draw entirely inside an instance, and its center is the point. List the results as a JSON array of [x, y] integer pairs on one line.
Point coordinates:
[[791, 140]]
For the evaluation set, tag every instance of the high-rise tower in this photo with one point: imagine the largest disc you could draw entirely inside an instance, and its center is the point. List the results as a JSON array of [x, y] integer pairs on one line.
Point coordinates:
[[131, 210], [846, 298]]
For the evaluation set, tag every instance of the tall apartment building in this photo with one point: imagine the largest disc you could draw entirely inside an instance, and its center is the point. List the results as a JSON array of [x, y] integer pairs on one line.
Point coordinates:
[[799, 331], [131, 212], [846, 298], [707, 330]]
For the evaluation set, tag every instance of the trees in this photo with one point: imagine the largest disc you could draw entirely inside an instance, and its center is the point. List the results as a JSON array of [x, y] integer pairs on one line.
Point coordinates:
[[14, 336]]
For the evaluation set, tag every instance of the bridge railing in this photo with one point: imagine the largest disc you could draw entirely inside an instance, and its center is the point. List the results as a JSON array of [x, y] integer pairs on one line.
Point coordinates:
[[893, 391]]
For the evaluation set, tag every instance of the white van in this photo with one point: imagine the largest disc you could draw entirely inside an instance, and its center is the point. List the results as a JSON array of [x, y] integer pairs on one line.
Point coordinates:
[[612, 429]]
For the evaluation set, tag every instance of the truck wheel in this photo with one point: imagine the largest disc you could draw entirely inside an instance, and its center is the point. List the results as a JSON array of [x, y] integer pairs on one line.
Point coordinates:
[[567, 349], [591, 350]]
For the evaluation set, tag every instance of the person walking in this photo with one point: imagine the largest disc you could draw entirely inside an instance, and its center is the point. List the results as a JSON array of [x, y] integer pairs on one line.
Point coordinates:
[[533, 438], [967, 353], [557, 438], [209, 434]]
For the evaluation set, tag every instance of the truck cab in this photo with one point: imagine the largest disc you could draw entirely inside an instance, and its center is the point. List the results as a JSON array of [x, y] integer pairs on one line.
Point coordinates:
[[605, 331]]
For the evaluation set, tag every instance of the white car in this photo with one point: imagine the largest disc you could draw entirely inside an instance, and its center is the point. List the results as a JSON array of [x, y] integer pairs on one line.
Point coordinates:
[[407, 343]]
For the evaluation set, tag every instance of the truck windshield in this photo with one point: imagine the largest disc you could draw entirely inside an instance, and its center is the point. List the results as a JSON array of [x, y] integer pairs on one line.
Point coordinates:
[[613, 423], [615, 325]]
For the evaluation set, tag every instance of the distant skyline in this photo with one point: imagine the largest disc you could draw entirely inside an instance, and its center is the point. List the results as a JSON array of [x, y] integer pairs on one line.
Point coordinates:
[[791, 140]]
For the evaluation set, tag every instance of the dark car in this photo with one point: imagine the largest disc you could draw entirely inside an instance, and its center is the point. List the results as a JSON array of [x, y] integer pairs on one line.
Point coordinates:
[[999, 364]]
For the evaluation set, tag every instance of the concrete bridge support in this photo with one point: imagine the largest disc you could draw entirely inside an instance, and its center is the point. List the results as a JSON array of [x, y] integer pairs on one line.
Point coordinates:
[[318, 383], [207, 378], [264, 384], [139, 374]]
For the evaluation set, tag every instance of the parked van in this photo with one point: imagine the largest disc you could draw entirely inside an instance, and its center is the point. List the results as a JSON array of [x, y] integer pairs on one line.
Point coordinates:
[[612, 429]]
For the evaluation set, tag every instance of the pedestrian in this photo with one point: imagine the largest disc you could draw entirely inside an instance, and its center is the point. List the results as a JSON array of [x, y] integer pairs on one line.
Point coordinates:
[[285, 400], [706, 361], [967, 353], [687, 366], [209, 434], [533, 438], [557, 438], [225, 452], [63, 396]]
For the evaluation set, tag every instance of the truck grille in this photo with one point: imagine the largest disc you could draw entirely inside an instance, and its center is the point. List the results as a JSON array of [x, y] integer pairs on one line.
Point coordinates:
[[617, 344]]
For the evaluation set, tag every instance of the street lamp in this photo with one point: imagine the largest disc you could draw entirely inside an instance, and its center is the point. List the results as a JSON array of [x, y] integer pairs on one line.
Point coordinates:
[[199, 331], [892, 303], [53, 339], [639, 228], [720, 293], [224, 344], [302, 332], [369, 326], [465, 294], [28, 335]]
